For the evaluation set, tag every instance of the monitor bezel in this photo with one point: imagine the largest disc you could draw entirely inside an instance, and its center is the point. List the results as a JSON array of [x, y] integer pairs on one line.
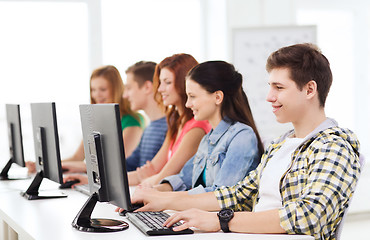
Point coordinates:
[[15, 139], [47, 153]]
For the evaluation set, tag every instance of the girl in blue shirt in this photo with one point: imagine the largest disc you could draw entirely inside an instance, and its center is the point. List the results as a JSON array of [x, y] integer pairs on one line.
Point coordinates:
[[233, 147]]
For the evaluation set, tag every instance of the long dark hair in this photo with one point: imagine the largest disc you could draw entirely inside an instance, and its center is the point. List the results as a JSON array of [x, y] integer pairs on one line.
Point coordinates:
[[221, 76]]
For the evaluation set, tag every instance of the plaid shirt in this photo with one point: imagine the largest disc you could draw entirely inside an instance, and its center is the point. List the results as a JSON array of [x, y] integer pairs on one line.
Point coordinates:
[[315, 189]]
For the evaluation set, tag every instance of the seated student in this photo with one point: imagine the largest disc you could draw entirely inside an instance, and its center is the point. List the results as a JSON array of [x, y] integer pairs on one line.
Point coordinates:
[[140, 94], [233, 147], [306, 177], [184, 133], [106, 86]]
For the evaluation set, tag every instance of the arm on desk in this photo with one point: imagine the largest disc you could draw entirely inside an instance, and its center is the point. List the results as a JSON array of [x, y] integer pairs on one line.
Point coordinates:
[[157, 201], [243, 222]]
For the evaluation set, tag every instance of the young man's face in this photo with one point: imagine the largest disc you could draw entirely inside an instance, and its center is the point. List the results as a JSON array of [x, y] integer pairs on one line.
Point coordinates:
[[288, 102], [134, 94]]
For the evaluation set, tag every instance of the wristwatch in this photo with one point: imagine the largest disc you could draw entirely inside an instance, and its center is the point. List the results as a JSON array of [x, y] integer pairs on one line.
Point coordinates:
[[225, 215]]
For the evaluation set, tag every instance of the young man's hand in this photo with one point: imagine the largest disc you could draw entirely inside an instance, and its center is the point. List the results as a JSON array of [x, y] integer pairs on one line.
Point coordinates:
[[203, 220]]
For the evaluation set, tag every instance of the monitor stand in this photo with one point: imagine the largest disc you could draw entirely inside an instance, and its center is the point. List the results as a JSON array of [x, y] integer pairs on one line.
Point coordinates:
[[83, 221], [4, 173], [32, 192]]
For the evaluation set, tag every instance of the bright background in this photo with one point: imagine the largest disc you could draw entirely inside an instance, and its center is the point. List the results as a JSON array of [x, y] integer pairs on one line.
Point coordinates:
[[48, 49]]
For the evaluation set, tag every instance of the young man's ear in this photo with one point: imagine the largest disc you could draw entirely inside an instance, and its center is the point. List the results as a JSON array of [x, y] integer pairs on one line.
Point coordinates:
[[311, 89], [148, 86], [219, 97]]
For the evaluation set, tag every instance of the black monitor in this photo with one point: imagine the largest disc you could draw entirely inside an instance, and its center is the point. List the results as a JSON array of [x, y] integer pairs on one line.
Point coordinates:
[[47, 154], [105, 164], [13, 118]]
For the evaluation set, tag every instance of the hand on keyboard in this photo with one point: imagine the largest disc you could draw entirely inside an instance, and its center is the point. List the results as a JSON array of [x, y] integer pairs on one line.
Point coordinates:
[[152, 223], [203, 220], [153, 199]]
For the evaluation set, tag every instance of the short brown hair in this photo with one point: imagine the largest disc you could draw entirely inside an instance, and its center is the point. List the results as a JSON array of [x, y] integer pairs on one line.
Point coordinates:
[[143, 71], [305, 63]]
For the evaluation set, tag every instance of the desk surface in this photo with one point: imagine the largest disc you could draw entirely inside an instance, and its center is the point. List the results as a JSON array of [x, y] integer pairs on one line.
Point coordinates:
[[51, 218]]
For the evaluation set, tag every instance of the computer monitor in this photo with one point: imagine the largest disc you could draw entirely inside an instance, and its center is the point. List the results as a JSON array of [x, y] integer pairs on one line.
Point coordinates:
[[47, 154], [13, 118], [105, 164]]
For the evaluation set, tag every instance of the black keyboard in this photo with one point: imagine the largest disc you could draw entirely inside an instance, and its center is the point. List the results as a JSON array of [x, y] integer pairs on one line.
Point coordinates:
[[151, 223]]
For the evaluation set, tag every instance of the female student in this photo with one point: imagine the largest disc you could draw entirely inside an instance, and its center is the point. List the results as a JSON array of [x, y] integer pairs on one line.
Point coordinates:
[[184, 132], [233, 147], [106, 86]]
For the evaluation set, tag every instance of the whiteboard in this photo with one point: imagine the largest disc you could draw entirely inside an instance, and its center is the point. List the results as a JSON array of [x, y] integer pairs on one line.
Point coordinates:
[[250, 50]]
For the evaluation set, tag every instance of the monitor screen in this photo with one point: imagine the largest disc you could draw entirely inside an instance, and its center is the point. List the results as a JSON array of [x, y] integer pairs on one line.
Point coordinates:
[[13, 118], [46, 143], [105, 165]]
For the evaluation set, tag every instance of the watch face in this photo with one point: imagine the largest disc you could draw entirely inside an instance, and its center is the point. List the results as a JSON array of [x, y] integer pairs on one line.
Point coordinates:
[[226, 213]]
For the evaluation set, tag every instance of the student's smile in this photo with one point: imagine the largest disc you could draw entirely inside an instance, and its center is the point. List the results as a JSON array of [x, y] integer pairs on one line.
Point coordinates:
[[276, 108]]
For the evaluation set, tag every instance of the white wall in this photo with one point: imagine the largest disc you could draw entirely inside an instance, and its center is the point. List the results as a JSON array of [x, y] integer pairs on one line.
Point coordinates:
[[343, 36], [204, 29]]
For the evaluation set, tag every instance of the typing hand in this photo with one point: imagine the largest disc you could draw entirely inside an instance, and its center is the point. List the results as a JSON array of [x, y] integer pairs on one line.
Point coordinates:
[[152, 199], [206, 221], [119, 210], [31, 166], [82, 178]]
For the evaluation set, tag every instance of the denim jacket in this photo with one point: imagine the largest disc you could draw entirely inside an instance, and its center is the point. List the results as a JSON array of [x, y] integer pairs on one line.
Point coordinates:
[[228, 153]]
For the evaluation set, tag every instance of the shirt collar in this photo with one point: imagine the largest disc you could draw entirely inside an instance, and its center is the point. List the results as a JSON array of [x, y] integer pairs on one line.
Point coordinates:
[[222, 127], [328, 123]]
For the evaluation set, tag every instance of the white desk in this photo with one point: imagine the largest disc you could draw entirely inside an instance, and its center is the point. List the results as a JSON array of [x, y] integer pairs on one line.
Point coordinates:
[[51, 218]]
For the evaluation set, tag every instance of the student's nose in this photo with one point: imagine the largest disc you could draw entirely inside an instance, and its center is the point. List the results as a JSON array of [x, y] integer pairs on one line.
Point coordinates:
[[270, 96], [188, 103], [160, 87]]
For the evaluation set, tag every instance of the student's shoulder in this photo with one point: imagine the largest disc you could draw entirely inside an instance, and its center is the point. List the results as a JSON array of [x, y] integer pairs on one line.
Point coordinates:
[[159, 122], [242, 129], [238, 126], [157, 125], [337, 136], [192, 123], [128, 120]]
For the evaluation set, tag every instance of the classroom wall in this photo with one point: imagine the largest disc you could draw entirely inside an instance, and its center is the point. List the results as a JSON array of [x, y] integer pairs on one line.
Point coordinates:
[[217, 20], [348, 98]]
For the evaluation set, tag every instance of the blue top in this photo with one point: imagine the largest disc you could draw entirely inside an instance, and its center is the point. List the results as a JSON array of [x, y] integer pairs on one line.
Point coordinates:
[[150, 143], [228, 153]]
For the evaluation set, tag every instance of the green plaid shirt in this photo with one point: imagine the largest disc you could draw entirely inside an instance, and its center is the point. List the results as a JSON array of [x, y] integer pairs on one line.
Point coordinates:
[[315, 189]]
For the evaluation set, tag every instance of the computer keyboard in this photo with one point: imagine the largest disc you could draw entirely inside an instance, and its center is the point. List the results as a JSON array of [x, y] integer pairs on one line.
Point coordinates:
[[151, 223]]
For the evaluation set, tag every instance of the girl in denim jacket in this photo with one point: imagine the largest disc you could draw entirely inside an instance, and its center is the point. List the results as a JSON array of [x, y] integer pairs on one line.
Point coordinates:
[[233, 147]]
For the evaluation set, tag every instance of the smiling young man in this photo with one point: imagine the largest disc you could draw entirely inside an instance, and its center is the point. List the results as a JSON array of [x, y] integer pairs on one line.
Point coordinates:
[[306, 177]]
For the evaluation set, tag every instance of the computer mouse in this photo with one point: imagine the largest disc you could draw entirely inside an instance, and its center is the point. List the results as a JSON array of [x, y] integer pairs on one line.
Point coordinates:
[[68, 184]]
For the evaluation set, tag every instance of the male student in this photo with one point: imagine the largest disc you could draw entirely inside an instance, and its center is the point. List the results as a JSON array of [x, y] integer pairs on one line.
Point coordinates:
[[306, 177], [139, 92]]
